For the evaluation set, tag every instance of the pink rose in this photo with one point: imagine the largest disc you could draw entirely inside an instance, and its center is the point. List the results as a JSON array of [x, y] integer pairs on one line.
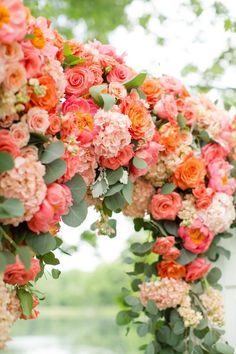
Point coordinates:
[[108, 50], [74, 104], [79, 79], [16, 274], [55, 124], [13, 21], [166, 108], [163, 245], [15, 77], [197, 238], [30, 152], [203, 196], [197, 269], [20, 134], [32, 60], [122, 159], [59, 197], [173, 254], [118, 90], [212, 152], [42, 219], [171, 85], [120, 73], [97, 72], [37, 120], [220, 181], [165, 206], [8, 144]]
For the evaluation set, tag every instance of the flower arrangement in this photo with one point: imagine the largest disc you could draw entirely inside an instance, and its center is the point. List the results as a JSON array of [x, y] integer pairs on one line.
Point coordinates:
[[79, 127]]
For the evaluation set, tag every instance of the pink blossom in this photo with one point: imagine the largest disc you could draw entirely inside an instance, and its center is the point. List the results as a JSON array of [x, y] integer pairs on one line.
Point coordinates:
[[37, 120], [166, 108], [13, 21], [122, 159], [32, 60], [220, 181], [173, 253], [79, 80], [8, 144], [197, 237], [165, 206], [11, 52], [118, 90], [7, 120], [120, 73], [15, 77], [197, 269], [20, 133], [16, 274], [163, 245], [55, 124], [59, 197], [108, 50], [171, 85], [42, 219], [211, 152], [74, 104]]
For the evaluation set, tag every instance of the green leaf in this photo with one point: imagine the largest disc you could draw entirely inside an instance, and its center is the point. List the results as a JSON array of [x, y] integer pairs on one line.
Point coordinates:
[[228, 24], [77, 214], [131, 300], [181, 121], [152, 307], [77, 187], [11, 208], [42, 243], [95, 92], [67, 51], [49, 258], [128, 192], [123, 318], [150, 349], [113, 176], [56, 273], [178, 327], [89, 237], [6, 161], [214, 276], [138, 224], [52, 152], [54, 171], [135, 82], [212, 337], [186, 257], [108, 101], [171, 227], [115, 202], [26, 301], [142, 329], [139, 163], [197, 350], [25, 256], [38, 139], [6, 258], [224, 348], [114, 189], [3, 262], [72, 60], [168, 188], [204, 136], [141, 248]]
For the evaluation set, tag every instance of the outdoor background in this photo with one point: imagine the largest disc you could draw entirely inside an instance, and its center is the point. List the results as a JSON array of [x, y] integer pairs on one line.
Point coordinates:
[[194, 40]]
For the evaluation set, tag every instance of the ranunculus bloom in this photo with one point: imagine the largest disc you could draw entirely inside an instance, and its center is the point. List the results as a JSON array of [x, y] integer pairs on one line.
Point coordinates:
[[50, 99], [212, 152], [122, 159], [197, 269], [152, 90], [163, 245], [80, 79], [120, 73], [20, 133], [15, 77], [203, 196], [141, 121], [55, 124], [170, 269], [12, 21], [190, 173], [8, 144], [166, 108], [42, 219], [16, 274], [197, 237], [37, 120], [165, 206]]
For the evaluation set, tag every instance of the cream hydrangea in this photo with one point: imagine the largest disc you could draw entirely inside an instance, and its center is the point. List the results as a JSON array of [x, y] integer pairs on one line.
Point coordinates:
[[214, 304]]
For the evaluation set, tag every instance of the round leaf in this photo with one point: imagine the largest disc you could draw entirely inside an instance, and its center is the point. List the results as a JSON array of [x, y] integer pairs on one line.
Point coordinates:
[[52, 152], [54, 171], [77, 187], [6, 161], [76, 215]]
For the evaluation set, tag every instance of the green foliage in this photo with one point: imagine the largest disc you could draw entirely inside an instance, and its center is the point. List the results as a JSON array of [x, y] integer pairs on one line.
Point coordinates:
[[52, 152], [135, 82], [77, 187], [77, 214], [11, 208], [26, 301], [42, 243], [54, 171], [6, 162]]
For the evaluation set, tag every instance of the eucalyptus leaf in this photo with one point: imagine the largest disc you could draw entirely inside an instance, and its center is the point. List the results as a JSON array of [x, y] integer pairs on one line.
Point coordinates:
[[113, 176], [139, 163], [54, 171], [115, 202], [186, 257], [77, 187], [52, 152], [26, 301], [6, 161], [168, 188], [136, 81], [108, 101], [128, 192], [11, 208], [25, 255], [42, 243], [76, 215]]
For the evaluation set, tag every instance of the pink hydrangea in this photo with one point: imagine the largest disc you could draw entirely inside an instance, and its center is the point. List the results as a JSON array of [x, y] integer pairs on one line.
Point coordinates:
[[24, 182], [197, 237], [113, 134]]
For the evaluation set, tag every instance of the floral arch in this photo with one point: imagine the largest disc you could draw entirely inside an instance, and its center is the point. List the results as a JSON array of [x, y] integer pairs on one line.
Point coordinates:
[[80, 128]]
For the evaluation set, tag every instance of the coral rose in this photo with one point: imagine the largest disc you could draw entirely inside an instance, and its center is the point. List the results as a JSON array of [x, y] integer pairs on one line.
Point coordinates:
[[173, 253], [212, 152], [16, 274], [166, 108], [203, 196], [50, 99], [120, 73], [122, 159], [197, 237], [79, 79], [171, 269], [163, 245], [55, 124], [152, 90], [8, 144], [190, 173], [197, 269], [42, 219], [165, 206], [32, 60]]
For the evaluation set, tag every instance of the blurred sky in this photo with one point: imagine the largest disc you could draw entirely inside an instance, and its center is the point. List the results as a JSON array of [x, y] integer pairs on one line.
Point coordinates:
[[189, 40]]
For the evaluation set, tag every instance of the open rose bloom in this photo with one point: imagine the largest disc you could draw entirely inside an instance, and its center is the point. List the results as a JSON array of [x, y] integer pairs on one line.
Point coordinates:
[[79, 127]]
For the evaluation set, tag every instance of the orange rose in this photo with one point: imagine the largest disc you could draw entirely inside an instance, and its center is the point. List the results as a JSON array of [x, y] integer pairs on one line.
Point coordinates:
[[152, 89], [139, 115], [190, 173], [169, 137], [171, 269], [50, 99]]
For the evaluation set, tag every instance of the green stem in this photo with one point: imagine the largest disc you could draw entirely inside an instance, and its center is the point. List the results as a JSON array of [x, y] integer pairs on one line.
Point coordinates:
[[7, 237]]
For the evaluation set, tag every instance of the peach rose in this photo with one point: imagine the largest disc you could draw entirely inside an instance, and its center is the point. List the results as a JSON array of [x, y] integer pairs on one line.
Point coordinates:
[[171, 269], [122, 159], [79, 79], [97, 72], [20, 134], [15, 77], [7, 121], [16, 274], [197, 269], [163, 245], [152, 90], [166, 108], [165, 207], [120, 73], [42, 219], [11, 52], [190, 173], [37, 120], [8, 144], [118, 90], [55, 124], [50, 99], [59, 197]]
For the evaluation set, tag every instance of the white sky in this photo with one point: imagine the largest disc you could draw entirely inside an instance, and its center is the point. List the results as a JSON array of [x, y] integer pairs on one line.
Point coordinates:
[[143, 52]]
